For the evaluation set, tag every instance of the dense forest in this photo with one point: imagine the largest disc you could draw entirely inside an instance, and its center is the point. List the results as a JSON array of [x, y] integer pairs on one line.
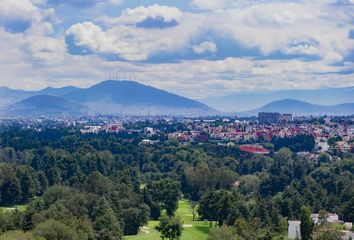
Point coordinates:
[[105, 186]]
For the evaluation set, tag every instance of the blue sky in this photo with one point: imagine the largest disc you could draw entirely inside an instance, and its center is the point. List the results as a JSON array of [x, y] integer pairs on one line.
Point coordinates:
[[196, 48]]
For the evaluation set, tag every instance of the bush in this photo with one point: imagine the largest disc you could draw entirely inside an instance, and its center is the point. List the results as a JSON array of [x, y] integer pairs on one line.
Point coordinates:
[[54, 230], [222, 233], [19, 235]]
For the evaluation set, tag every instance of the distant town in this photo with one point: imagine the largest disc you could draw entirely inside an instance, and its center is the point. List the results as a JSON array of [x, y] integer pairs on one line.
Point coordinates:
[[334, 135]]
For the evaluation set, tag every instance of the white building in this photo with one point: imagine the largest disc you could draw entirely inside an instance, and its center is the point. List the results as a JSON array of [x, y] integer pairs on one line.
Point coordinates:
[[322, 145], [331, 218], [294, 229], [90, 129], [146, 142], [149, 131]]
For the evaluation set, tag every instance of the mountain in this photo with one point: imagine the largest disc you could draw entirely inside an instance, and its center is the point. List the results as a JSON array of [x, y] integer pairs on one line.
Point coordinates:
[[9, 96], [108, 97], [244, 101], [133, 98], [59, 91], [301, 108], [44, 105]]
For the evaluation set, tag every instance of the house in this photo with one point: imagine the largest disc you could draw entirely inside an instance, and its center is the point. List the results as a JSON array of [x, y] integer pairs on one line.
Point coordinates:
[[90, 129], [294, 229], [149, 131], [331, 218], [146, 142]]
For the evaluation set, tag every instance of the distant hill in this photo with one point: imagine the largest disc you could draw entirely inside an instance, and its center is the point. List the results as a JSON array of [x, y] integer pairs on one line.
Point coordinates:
[[44, 105], [301, 108], [59, 91], [133, 98], [9, 96], [245, 101]]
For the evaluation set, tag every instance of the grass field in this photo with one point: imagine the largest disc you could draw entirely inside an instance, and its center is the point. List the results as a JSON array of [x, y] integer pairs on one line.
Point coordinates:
[[20, 208], [197, 230]]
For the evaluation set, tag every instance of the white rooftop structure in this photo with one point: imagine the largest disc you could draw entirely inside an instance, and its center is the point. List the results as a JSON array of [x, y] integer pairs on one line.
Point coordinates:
[[331, 218], [294, 229]]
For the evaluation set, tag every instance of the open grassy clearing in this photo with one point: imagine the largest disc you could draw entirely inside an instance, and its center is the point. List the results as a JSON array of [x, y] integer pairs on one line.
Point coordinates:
[[197, 230], [20, 208]]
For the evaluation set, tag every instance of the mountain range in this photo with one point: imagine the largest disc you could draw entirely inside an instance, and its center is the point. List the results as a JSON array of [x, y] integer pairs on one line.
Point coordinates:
[[108, 97], [132, 98], [301, 108], [244, 101]]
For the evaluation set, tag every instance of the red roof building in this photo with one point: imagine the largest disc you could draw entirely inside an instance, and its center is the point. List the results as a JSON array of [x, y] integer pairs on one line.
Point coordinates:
[[254, 149]]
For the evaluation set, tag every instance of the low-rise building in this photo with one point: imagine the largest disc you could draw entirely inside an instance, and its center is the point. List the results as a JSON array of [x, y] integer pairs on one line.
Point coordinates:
[[331, 218], [294, 230]]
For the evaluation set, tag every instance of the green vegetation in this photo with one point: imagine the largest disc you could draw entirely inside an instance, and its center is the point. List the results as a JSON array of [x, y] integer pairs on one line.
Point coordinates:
[[170, 228], [105, 186], [192, 230], [307, 224], [20, 208], [19, 235]]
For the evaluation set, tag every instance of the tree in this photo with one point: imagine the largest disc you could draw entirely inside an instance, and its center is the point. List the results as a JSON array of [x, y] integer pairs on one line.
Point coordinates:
[[218, 206], [99, 184], [329, 235], [222, 233], [198, 180], [10, 190], [135, 218], [105, 223], [170, 228], [348, 211], [165, 192], [55, 230], [193, 210], [155, 208], [307, 225], [247, 230], [324, 157]]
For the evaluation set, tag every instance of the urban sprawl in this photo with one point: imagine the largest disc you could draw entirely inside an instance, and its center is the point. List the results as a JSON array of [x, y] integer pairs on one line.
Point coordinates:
[[334, 135]]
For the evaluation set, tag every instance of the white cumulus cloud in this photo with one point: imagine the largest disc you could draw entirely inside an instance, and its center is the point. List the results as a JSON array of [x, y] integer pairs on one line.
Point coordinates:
[[136, 43], [22, 10], [139, 14], [19, 15], [205, 47]]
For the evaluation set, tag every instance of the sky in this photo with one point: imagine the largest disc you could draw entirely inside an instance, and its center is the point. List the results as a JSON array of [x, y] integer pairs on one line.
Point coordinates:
[[195, 48]]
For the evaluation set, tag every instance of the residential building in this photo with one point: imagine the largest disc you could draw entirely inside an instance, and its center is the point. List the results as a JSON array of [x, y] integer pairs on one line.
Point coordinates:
[[268, 117]]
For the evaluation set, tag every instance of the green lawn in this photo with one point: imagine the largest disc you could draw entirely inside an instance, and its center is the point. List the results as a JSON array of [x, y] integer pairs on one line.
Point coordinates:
[[197, 230], [20, 208]]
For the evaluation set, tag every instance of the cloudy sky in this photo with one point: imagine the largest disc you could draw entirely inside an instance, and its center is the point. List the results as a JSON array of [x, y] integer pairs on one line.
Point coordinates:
[[196, 48]]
